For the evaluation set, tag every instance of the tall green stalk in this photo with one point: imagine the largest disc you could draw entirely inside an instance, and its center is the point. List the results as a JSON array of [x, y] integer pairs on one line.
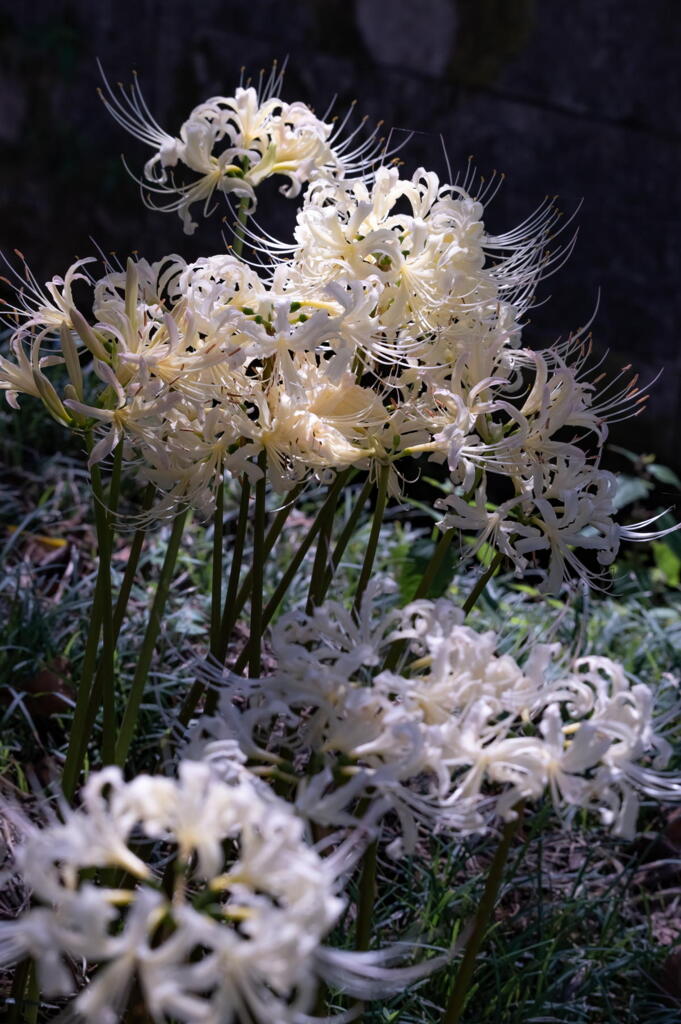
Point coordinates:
[[482, 582], [372, 544], [321, 560], [241, 218], [104, 544], [238, 595], [77, 738], [131, 715], [433, 567], [346, 535], [462, 981], [295, 563], [216, 576], [228, 617], [131, 564], [81, 731], [255, 641], [229, 613], [118, 616], [115, 483], [25, 995], [366, 898], [101, 622]]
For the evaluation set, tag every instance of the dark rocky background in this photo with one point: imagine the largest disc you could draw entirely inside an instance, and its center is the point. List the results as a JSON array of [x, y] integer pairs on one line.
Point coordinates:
[[581, 99]]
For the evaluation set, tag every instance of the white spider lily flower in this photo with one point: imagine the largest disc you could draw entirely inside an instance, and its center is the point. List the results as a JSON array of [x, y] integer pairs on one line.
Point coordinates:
[[214, 285], [233, 143], [149, 286], [26, 376], [17, 378], [307, 420], [581, 518], [491, 525], [136, 413], [347, 230], [240, 933], [434, 264], [46, 306], [390, 328], [453, 736]]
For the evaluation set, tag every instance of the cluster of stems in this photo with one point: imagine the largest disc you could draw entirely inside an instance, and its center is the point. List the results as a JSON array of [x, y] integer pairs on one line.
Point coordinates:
[[245, 588]]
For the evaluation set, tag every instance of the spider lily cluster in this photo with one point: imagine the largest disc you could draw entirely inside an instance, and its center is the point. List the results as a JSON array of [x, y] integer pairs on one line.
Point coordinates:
[[389, 327], [454, 738], [259, 923], [388, 330]]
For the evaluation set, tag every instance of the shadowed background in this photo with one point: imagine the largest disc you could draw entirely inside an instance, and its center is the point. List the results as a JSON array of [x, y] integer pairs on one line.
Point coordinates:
[[581, 100]]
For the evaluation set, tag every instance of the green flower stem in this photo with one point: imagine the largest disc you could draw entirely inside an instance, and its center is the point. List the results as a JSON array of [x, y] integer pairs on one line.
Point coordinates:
[[234, 605], [228, 617], [285, 582], [104, 520], [230, 613], [19, 983], [25, 995], [216, 583], [100, 615], [130, 717], [321, 1000], [477, 590], [32, 997], [365, 907], [241, 218], [367, 896], [131, 565], [106, 665], [115, 482], [194, 695], [457, 997], [81, 735], [372, 545], [346, 535], [321, 559], [294, 565], [433, 567], [236, 595], [259, 554], [78, 739]]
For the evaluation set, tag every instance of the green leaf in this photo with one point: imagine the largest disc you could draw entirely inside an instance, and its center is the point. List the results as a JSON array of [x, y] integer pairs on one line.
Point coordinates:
[[485, 553], [667, 562], [423, 507], [672, 540], [631, 489], [632, 456], [415, 564], [664, 475], [442, 485]]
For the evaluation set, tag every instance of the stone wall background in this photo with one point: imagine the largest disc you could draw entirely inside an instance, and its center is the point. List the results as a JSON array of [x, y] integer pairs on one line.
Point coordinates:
[[579, 99]]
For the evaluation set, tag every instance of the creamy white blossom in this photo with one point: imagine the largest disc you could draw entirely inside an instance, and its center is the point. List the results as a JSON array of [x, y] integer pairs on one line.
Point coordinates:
[[452, 734], [232, 143], [389, 329], [220, 911]]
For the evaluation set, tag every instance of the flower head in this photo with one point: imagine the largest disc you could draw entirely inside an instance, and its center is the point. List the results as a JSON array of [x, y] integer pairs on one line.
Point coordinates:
[[230, 144], [238, 929], [453, 735]]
